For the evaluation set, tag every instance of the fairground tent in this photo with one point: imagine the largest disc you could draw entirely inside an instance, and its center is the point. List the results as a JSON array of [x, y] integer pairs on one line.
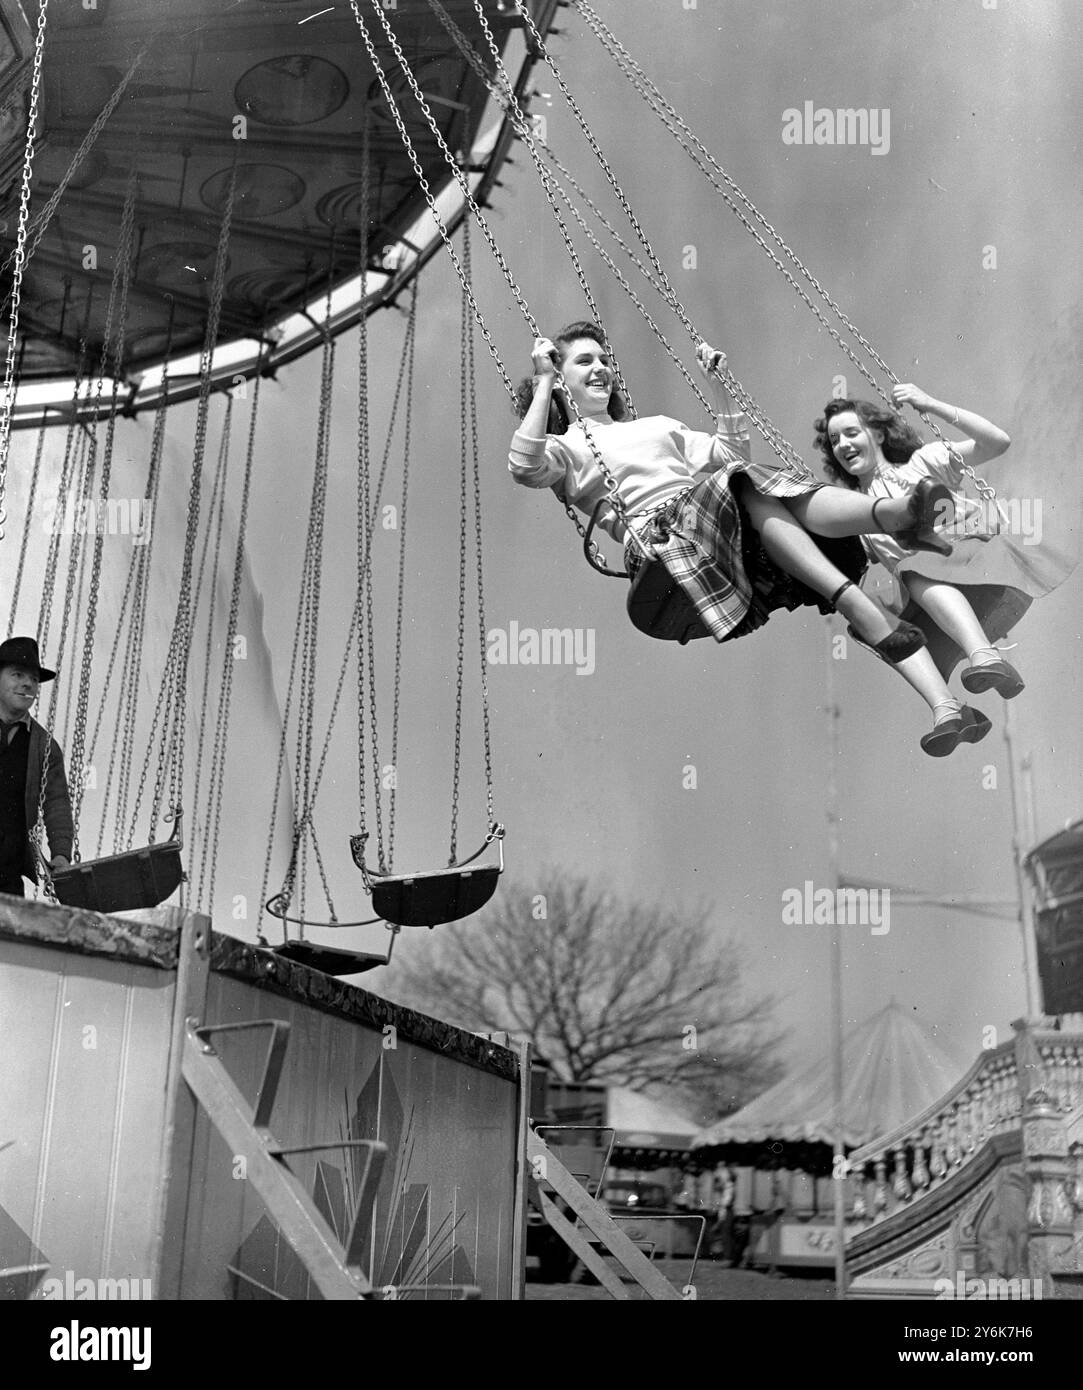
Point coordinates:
[[892, 1069], [642, 1123]]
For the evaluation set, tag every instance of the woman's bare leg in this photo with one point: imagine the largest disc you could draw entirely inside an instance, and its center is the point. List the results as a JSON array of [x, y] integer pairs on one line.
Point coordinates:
[[920, 672], [793, 550], [951, 612], [839, 511]]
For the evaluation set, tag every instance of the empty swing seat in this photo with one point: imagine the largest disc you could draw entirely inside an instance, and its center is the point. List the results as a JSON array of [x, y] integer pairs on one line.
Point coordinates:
[[122, 882], [432, 898], [331, 960], [426, 900]]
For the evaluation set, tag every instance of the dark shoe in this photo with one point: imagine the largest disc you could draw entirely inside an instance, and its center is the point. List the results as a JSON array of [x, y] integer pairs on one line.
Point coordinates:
[[930, 503], [944, 737], [896, 646], [975, 725], [995, 675], [968, 726], [903, 642]]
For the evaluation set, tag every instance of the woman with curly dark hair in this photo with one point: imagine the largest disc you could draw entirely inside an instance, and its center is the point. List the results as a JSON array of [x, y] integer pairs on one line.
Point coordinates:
[[734, 534], [871, 449]]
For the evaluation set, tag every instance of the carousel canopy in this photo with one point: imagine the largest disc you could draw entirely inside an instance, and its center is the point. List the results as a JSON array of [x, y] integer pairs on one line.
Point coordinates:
[[892, 1069], [275, 93]]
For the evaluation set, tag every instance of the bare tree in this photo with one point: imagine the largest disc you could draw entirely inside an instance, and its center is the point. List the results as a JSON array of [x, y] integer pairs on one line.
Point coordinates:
[[606, 990]]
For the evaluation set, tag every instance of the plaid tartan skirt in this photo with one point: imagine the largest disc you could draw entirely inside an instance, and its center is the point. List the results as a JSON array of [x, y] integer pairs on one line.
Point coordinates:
[[706, 542]]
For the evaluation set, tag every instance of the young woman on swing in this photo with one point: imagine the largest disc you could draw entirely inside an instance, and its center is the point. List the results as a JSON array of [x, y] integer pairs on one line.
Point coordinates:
[[733, 533], [872, 450]]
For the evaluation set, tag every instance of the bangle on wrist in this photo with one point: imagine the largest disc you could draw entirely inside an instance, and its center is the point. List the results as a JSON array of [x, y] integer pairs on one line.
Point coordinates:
[[955, 412]]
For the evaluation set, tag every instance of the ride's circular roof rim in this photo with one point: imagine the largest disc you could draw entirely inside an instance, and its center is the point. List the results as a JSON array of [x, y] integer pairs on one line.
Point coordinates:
[[291, 337], [297, 332]]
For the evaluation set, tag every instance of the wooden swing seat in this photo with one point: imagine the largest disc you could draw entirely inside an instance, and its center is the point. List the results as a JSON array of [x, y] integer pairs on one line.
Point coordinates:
[[331, 960], [431, 898], [122, 882]]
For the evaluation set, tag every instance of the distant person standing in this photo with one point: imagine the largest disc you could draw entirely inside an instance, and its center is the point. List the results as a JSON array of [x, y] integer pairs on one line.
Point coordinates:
[[25, 750], [723, 1233]]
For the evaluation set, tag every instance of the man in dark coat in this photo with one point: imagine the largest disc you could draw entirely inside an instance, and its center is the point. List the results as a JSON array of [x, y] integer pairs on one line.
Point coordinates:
[[23, 745]]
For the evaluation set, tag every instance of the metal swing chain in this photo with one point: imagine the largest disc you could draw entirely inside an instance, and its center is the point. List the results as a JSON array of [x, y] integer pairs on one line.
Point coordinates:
[[495, 831], [37, 830], [456, 768], [305, 641], [468, 420], [216, 512], [401, 588], [519, 120], [130, 680], [676, 125], [8, 407], [221, 732], [291, 687], [69, 465], [34, 478], [771, 433], [124, 266], [366, 654], [291, 684], [132, 610], [431, 202], [441, 225], [611, 484], [180, 643], [504, 93], [323, 435], [352, 631], [354, 623], [75, 572], [506, 103]]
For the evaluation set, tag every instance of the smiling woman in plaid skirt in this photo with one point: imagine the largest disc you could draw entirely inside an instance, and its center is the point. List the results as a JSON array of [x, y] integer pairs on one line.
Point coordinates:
[[733, 533]]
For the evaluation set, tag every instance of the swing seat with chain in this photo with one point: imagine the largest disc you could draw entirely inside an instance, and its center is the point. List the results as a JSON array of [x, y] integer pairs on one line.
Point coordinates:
[[416, 899], [433, 897], [330, 960], [137, 878]]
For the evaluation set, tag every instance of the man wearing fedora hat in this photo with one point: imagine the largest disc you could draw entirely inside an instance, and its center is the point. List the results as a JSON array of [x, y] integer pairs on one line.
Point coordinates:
[[25, 749]]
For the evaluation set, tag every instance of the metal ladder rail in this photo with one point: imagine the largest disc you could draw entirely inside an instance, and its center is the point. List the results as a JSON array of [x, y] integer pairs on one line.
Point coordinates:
[[334, 1269], [197, 1078], [549, 1169]]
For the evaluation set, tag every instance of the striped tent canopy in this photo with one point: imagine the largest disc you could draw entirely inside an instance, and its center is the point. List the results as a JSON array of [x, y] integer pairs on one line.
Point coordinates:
[[892, 1068]]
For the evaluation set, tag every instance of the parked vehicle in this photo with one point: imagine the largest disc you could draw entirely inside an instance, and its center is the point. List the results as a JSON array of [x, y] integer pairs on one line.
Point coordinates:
[[648, 1215]]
